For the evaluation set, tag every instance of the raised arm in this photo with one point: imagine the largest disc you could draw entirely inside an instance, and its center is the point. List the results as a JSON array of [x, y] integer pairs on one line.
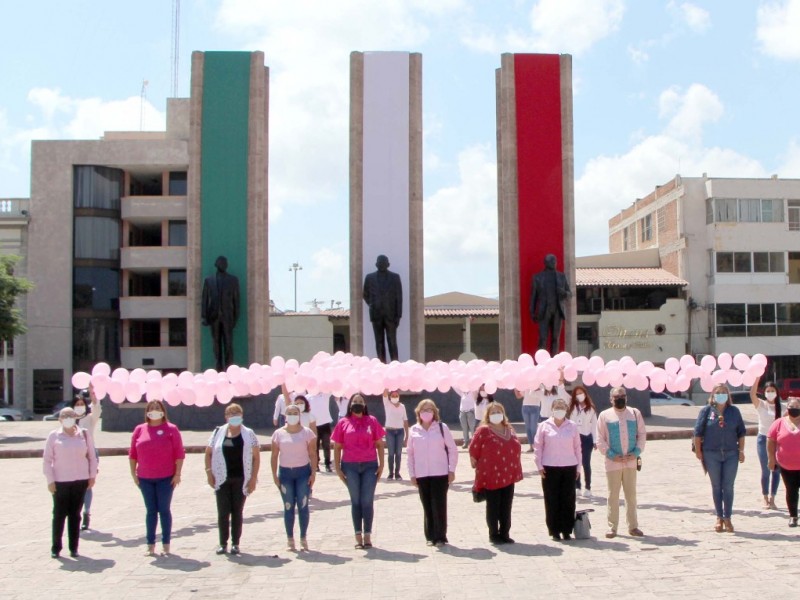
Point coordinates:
[[753, 393]]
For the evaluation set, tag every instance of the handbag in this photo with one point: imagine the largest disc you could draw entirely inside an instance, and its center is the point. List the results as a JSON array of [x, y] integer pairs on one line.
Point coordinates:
[[583, 528], [478, 495], [704, 413]]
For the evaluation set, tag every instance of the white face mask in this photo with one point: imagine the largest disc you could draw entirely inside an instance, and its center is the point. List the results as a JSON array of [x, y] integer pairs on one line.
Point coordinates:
[[395, 399], [80, 410], [559, 413], [155, 415], [292, 419], [496, 418], [580, 398], [770, 396], [68, 422], [301, 406]]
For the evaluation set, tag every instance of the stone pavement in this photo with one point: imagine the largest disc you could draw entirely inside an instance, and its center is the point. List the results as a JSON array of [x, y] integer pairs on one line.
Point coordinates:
[[680, 556]]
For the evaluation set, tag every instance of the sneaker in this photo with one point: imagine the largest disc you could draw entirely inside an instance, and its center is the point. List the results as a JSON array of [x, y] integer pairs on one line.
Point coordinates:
[[793, 522], [587, 493], [429, 543]]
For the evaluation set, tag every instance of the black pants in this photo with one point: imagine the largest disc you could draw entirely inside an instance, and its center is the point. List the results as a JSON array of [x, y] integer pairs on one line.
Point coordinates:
[[791, 481], [383, 327], [550, 326], [587, 445], [498, 511], [433, 494], [222, 340], [67, 504], [324, 442], [230, 504], [558, 486]]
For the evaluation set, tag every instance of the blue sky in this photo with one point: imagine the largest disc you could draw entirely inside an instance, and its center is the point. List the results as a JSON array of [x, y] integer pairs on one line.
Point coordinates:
[[660, 87]]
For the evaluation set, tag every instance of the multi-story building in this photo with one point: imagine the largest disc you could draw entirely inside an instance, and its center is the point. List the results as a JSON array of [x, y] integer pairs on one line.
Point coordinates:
[[737, 243]]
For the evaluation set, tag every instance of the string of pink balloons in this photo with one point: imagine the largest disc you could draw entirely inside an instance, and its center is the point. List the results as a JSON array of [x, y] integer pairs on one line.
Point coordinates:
[[344, 374]]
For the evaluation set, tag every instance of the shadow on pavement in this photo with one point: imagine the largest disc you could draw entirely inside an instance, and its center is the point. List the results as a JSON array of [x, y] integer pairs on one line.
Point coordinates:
[[84, 564], [666, 540], [475, 553], [175, 562], [766, 536], [393, 555], [314, 556], [602, 545], [251, 560], [522, 549], [703, 511], [20, 439]]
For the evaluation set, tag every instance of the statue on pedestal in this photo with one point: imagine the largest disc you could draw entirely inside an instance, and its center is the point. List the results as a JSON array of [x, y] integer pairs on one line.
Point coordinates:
[[220, 311], [549, 294], [383, 293]]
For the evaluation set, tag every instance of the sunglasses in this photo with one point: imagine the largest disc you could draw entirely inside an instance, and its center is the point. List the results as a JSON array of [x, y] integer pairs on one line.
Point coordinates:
[[620, 397]]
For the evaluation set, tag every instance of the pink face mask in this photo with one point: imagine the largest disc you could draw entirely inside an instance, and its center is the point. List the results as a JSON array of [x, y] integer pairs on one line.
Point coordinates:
[[426, 416]]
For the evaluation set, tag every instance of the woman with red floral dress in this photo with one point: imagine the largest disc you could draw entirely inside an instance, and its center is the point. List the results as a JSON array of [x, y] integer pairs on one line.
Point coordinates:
[[495, 455]]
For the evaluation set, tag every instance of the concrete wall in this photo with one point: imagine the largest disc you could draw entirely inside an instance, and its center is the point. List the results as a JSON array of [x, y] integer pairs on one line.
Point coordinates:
[[300, 337]]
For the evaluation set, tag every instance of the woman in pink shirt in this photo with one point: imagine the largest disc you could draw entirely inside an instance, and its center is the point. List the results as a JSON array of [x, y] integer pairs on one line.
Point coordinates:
[[156, 458], [783, 447], [358, 458], [294, 450], [70, 466], [432, 460], [557, 448]]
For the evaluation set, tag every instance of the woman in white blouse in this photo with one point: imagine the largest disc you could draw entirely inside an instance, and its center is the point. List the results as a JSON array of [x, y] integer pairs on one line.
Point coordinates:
[[396, 426], [583, 413]]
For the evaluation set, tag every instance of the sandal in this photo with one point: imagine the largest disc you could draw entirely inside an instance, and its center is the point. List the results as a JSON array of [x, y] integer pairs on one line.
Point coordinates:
[[728, 525], [290, 544], [718, 527], [359, 542]]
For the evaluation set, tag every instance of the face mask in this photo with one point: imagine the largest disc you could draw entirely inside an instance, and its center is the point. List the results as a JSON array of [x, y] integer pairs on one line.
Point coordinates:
[[68, 423], [80, 410], [496, 418], [720, 398], [155, 415], [483, 394], [793, 412], [235, 421], [426, 416], [395, 399], [301, 406], [620, 402], [770, 396], [292, 419], [560, 413], [580, 398], [357, 409]]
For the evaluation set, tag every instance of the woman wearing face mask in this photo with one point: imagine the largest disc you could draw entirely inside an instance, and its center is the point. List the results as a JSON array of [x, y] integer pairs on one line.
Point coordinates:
[[70, 467], [306, 416], [294, 469], [719, 443], [432, 460], [495, 454], [583, 413], [481, 402], [769, 411], [232, 461], [88, 416], [783, 446], [358, 459], [156, 459], [558, 458], [396, 426]]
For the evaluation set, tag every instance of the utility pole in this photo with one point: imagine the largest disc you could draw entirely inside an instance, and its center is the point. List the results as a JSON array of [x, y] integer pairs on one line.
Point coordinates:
[[295, 267]]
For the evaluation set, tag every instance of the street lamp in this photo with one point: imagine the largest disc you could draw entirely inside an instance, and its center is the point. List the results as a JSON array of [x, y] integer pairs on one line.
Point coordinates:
[[295, 267]]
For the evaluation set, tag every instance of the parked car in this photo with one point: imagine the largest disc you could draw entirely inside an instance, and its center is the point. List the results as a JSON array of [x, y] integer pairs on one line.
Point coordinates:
[[665, 399], [56, 409], [9, 413], [740, 397]]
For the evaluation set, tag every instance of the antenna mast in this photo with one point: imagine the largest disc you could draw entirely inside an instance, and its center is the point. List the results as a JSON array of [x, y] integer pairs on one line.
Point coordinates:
[[142, 99]]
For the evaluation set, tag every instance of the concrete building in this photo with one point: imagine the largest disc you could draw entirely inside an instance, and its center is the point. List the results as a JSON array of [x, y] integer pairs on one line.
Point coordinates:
[[123, 229], [737, 243]]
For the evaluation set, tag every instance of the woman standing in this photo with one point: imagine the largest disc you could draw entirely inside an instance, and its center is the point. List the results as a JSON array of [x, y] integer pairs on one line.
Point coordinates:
[[558, 457], [583, 413], [358, 460], [232, 462], [432, 461], [719, 444], [70, 467], [481, 402], [531, 408], [88, 416], [783, 445], [306, 416], [156, 459], [769, 411], [396, 426], [294, 469], [495, 454]]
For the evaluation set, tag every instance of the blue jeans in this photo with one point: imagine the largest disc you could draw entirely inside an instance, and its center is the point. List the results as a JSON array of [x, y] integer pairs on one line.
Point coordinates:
[[766, 488], [362, 477], [295, 492], [587, 445], [467, 420], [722, 466], [394, 444], [157, 494], [530, 414]]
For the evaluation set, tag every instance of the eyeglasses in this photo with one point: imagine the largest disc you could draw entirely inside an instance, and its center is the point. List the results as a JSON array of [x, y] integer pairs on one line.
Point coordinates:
[[620, 397]]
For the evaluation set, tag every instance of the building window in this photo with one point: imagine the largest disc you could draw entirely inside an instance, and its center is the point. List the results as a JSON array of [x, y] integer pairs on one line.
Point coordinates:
[[177, 183], [661, 220], [760, 320], [744, 210], [97, 187], [725, 210], [646, 225], [731, 320], [741, 262], [788, 318], [144, 284], [177, 332], [95, 288], [145, 334], [95, 340], [757, 320], [794, 215], [177, 282], [146, 184], [745, 262], [145, 234], [177, 233], [794, 267], [97, 238], [768, 262], [629, 237], [724, 262]]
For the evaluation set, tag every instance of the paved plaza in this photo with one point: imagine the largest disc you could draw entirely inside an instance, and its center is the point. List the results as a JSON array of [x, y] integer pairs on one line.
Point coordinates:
[[680, 555]]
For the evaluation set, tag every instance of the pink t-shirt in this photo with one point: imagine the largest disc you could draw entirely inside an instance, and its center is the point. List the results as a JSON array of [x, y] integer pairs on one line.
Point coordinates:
[[69, 457], [788, 453], [155, 449], [293, 447], [358, 435], [556, 446]]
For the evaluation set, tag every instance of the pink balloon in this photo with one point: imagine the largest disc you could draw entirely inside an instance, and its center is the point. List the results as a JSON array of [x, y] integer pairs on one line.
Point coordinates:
[[120, 375], [292, 364], [707, 383], [242, 389], [682, 382], [657, 386], [172, 397], [154, 391], [719, 376], [525, 360], [133, 391], [641, 383], [672, 365], [138, 375], [760, 359], [116, 392], [741, 361], [580, 362], [101, 369], [707, 363], [645, 367], [224, 393], [185, 379], [589, 378], [596, 363], [187, 396], [541, 356], [255, 386], [570, 373], [615, 378], [686, 360], [672, 386], [748, 379], [491, 387], [100, 385], [735, 378], [725, 361], [81, 380], [602, 378]]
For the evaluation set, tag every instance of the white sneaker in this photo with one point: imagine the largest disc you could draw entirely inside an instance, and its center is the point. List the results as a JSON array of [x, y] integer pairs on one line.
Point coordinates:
[[587, 493]]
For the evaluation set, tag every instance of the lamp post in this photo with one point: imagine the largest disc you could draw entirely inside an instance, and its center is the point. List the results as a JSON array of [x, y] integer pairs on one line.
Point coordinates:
[[295, 267]]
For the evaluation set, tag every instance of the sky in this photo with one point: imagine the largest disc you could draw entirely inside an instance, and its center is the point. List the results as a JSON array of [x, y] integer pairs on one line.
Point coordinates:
[[660, 88]]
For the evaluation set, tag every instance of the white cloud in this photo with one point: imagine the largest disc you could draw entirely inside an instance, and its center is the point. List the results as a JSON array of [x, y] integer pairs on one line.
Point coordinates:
[[778, 24], [790, 165], [461, 220], [638, 55], [328, 263], [689, 111], [555, 26], [696, 18]]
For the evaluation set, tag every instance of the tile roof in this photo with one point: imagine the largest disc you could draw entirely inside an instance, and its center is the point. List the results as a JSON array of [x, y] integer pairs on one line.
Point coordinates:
[[627, 277]]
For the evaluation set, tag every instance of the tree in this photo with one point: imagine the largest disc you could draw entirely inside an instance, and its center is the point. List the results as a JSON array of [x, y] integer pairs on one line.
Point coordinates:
[[11, 287]]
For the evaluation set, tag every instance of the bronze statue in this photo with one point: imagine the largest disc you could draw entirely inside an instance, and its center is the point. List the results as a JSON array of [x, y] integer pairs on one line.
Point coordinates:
[[383, 293], [220, 311], [549, 294]]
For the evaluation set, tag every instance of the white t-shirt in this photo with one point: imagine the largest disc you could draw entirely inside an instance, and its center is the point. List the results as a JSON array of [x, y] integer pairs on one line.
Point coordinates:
[[341, 402], [395, 415], [480, 409], [320, 407], [586, 421], [467, 400], [766, 416], [546, 400]]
